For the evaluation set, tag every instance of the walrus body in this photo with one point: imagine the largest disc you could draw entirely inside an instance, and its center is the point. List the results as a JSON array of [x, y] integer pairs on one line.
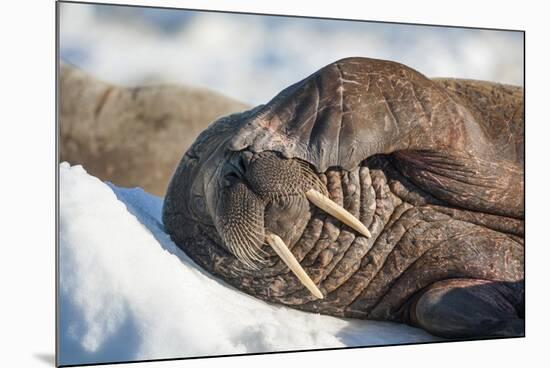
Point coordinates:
[[433, 169], [132, 136]]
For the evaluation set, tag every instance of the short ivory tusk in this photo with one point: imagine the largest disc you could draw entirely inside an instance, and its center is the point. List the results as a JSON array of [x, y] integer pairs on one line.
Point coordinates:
[[339, 212], [288, 258]]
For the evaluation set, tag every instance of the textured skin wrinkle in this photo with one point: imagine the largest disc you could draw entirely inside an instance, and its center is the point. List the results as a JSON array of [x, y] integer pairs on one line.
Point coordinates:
[[398, 273], [331, 228], [498, 111], [336, 251], [371, 295], [470, 248], [384, 209], [488, 190], [340, 90], [433, 168]]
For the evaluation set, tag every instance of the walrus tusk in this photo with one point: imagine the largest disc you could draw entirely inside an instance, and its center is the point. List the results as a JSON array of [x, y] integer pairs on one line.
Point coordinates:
[[339, 212], [288, 258]]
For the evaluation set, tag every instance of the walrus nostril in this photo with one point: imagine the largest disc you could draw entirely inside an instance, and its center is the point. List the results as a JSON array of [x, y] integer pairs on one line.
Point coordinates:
[[245, 159]]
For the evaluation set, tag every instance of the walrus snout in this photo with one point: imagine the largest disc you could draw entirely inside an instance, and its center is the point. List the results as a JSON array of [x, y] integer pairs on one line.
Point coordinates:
[[266, 199], [260, 192]]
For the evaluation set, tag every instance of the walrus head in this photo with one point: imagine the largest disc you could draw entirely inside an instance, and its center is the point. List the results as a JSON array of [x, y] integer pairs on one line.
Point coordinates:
[[260, 191], [249, 202]]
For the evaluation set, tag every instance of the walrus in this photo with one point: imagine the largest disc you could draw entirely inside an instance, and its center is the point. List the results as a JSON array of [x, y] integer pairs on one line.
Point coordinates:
[[366, 190], [132, 136]]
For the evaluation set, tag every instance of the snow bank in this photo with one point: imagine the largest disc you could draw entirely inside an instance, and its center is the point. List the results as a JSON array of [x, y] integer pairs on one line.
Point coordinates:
[[127, 292]]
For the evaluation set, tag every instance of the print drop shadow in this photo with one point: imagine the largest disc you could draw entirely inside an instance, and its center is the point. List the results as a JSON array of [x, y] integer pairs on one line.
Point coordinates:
[[122, 345]]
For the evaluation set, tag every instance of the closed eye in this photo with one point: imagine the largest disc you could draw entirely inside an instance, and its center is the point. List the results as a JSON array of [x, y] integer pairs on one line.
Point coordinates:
[[198, 206]]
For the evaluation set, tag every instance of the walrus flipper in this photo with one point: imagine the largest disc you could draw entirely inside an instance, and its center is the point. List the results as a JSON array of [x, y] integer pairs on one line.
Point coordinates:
[[462, 308]]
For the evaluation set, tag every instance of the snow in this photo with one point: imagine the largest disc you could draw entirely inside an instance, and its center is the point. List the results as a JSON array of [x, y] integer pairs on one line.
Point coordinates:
[[127, 292], [251, 58]]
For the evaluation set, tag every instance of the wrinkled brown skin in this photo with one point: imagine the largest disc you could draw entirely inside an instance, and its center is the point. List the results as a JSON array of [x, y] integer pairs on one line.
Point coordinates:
[[434, 169]]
